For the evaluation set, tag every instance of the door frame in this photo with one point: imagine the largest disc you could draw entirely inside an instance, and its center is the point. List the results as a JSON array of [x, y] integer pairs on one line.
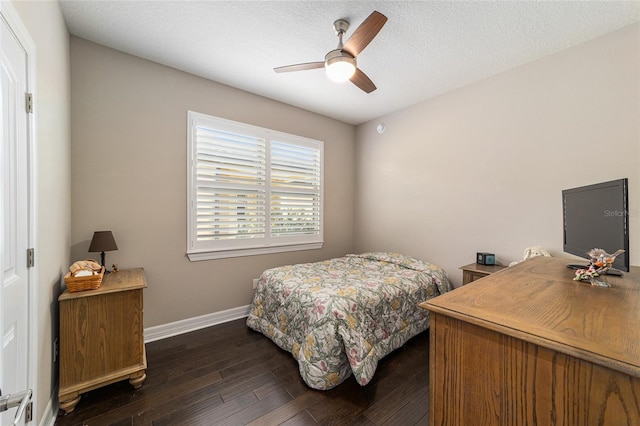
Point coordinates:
[[10, 15]]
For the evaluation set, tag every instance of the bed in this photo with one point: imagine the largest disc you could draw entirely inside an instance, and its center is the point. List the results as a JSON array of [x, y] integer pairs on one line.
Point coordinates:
[[341, 316]]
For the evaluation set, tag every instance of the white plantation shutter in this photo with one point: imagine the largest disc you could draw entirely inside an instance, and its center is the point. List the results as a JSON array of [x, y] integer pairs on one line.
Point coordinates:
[[230, 185], [295, 189], [252, 190]]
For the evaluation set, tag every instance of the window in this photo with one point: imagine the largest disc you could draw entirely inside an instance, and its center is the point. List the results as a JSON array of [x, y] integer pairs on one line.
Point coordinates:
[[251, 190]]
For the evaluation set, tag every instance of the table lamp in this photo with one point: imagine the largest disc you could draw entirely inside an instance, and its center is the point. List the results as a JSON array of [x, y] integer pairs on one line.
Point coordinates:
[[102, 241]]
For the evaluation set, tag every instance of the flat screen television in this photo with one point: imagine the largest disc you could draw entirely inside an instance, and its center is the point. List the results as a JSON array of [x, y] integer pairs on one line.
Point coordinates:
[[596, 216]]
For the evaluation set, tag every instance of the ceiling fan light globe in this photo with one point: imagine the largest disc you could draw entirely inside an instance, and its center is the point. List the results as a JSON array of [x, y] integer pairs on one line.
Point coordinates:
[[340, 69]]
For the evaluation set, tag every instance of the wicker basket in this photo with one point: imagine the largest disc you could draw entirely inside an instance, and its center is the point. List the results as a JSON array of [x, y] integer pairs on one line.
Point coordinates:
[[89, 282]]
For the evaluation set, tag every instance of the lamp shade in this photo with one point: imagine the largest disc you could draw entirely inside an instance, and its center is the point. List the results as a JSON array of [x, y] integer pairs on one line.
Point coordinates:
[[102, 241], [339, 66]]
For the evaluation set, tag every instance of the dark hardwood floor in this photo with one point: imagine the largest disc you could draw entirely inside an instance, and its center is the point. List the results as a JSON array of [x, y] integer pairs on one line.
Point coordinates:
[[230, 375]]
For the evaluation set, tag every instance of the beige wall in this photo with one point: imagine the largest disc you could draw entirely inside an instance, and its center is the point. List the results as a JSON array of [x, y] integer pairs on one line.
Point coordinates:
[[129, 175], [44, 23], [482, 168]]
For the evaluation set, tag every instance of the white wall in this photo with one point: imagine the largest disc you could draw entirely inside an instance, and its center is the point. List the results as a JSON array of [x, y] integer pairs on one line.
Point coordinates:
[[129, 135], [482, 168], [44, 23]]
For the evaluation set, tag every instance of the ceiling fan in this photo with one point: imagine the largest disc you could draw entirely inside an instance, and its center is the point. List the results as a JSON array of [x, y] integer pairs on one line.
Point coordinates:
[[340, 63]]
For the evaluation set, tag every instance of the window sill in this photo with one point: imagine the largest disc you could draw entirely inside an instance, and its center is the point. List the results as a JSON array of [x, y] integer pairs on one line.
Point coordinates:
[[225, 254]]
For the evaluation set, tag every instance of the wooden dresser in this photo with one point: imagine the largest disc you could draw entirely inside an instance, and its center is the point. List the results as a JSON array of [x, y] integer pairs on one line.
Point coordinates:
[[101, 336], [531, 346]]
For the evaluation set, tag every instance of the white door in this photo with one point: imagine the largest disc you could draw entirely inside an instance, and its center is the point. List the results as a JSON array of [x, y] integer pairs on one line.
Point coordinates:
[[14, 282]]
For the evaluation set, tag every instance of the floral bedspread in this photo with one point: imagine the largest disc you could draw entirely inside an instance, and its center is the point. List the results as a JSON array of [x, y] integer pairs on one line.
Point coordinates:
[[343, 315]]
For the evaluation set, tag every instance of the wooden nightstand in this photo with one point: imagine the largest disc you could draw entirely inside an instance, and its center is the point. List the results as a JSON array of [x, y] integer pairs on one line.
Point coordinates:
[[101, 336], [474, 271]]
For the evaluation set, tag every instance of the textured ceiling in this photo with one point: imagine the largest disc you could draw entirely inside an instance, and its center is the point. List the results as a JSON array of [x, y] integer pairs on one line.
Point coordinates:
[[425, 49]]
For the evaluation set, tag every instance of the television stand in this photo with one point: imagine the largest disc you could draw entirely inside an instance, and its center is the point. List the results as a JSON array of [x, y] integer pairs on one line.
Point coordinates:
[[554, 351]]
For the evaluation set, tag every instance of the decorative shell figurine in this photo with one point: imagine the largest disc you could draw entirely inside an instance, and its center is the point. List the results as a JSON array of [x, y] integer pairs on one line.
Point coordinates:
[[600, 263]]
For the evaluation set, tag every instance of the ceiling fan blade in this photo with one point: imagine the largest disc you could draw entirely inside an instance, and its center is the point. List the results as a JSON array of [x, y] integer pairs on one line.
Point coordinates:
[[365, 33], [300, 67], [361, 80]]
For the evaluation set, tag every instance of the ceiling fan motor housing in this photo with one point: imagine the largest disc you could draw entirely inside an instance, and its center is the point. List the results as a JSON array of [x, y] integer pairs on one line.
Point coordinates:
[[337, 55]]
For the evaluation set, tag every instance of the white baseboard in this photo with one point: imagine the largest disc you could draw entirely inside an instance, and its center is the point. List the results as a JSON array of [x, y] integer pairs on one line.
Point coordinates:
[[158, 332]]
